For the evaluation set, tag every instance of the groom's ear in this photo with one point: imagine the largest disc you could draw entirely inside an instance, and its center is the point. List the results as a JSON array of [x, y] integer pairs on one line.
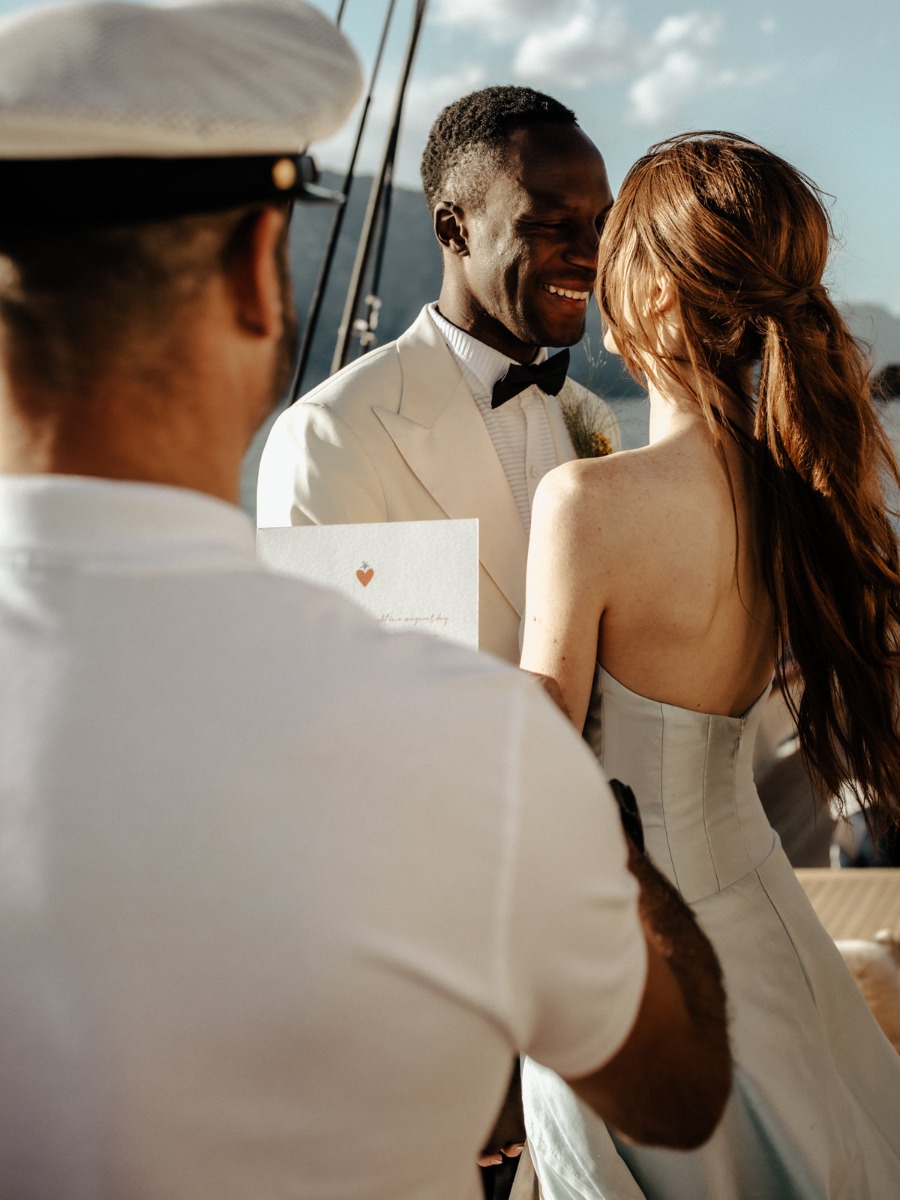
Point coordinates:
[[449, 227]]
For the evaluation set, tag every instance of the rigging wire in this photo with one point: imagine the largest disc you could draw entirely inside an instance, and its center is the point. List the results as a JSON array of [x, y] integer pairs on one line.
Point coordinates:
[[311, 322], [381, 187]]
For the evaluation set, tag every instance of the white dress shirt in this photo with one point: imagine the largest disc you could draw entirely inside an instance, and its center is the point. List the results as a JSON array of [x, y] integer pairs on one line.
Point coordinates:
[[520, 428]]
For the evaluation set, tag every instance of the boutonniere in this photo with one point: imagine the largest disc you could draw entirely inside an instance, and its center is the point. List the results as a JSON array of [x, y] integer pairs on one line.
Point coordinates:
[[582, 421]]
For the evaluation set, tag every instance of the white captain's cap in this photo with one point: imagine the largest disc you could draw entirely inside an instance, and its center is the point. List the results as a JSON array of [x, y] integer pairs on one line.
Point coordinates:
[[125, 111]]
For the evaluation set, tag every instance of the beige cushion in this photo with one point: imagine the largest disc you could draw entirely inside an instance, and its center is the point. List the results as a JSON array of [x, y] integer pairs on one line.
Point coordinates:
[[875, 965]]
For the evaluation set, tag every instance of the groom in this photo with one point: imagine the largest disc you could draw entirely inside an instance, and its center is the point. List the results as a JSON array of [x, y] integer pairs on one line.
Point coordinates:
[[444, 422]]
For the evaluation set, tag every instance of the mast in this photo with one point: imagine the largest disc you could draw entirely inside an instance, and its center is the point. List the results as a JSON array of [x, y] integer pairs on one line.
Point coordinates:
[[380, 191]]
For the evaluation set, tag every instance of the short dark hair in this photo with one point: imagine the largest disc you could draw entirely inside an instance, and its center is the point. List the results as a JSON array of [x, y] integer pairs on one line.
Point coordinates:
[[73, 299], [477, 127]]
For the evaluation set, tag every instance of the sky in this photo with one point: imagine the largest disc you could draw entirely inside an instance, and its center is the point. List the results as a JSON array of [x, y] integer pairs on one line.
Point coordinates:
[[814, 81]]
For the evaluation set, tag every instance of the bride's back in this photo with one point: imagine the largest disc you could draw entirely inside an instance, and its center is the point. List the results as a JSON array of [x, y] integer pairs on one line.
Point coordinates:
[[687, 616]]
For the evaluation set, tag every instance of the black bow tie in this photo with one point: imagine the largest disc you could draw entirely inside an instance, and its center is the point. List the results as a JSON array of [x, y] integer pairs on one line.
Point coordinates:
[[549, 375]]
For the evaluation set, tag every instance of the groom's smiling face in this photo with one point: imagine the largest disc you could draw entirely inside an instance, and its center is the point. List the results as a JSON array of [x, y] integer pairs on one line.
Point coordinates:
[[530, 258]]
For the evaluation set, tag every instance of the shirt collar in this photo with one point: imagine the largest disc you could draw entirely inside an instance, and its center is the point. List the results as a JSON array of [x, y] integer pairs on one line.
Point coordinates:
[[485, 364], [85, 522]]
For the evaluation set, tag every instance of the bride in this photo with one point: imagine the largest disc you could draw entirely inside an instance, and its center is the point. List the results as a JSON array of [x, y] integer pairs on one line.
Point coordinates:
[[665, 587]]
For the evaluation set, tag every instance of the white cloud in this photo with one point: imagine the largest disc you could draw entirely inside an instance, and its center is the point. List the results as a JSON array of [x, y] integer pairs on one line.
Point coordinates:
[[661, 91], [579, 43], [685, 59], [680, 62], [689, 27], [501, 20], [584, 49]]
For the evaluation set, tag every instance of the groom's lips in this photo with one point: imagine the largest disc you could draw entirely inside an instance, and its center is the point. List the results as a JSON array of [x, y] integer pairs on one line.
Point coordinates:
[[569, 294]]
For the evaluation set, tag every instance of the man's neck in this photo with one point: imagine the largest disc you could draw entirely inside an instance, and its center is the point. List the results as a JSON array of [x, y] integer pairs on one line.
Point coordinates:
[[483, 328], [121, 436]]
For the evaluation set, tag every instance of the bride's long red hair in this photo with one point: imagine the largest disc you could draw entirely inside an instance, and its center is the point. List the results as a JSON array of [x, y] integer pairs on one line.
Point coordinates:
[[743, 236]]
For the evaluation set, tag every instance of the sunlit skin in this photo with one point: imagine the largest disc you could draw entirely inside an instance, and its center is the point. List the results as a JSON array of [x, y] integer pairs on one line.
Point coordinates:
[[519, 268]]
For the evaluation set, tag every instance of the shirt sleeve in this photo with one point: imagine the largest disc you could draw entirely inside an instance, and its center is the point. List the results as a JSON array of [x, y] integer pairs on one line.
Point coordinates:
[[574, 952]]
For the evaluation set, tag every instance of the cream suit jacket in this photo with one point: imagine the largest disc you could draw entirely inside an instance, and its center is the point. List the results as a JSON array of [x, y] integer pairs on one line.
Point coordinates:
[[396, 436]]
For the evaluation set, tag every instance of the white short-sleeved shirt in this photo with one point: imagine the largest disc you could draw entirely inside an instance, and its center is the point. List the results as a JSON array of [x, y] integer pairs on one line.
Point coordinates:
[[281, 893]]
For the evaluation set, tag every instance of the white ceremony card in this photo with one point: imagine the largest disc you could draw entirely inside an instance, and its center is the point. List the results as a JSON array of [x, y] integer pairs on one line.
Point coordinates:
[[408, 574]]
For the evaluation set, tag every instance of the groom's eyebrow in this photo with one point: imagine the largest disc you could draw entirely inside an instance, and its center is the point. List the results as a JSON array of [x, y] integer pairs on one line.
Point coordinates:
[[548, 199], [544, 205], [551, 202]]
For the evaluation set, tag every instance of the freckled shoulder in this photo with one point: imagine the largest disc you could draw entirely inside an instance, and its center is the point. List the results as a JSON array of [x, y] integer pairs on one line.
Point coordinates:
[[580, 480], [599, 500], [569, 499]]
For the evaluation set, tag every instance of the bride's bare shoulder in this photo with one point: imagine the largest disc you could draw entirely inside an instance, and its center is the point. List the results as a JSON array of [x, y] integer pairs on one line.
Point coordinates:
[[592, 497], [590, 470], [577, 484]]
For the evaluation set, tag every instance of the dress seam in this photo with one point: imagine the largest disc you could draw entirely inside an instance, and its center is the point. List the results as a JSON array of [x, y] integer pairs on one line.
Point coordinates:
[[660, 792], [709, 849], [734, 797]]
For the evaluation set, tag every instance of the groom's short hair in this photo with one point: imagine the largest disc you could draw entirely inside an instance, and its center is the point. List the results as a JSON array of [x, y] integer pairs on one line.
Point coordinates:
[[471, 135]]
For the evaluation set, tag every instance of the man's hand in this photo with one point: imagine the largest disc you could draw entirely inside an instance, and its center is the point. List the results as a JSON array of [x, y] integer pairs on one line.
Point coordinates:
[[551, 687], [507, 1138], [510, 1150]]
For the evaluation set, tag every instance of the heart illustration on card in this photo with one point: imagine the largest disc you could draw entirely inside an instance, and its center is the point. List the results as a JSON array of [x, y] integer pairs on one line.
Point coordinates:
[[364, 574]]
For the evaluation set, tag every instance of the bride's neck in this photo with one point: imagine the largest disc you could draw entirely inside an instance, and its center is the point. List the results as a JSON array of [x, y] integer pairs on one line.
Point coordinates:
[[671, 412], [675, 410]]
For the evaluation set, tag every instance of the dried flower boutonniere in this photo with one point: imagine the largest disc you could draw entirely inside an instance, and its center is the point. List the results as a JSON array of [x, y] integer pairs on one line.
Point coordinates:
[[583, 421]]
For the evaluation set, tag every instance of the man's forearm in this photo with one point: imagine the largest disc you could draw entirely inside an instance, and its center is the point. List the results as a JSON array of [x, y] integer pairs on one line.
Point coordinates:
[[669, 1083], [672, 928]]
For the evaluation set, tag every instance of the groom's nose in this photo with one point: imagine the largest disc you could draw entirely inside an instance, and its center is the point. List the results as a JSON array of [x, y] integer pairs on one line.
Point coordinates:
[[582, 249]]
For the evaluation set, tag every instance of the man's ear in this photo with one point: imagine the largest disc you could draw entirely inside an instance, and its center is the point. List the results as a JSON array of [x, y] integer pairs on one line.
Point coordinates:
[[254, 274], [449, 227]]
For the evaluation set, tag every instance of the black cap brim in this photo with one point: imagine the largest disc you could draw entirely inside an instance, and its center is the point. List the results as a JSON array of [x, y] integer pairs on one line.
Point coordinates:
[[96, 191]]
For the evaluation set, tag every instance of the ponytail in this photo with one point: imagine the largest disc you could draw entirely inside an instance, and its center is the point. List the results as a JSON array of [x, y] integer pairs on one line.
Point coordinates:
[[829, 550]]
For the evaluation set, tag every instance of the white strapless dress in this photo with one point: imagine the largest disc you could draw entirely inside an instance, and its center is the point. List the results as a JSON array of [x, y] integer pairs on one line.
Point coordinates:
[[815, 1110]]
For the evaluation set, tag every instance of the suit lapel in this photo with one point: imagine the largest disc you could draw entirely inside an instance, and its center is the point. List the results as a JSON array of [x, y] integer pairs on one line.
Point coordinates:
[[442, 437]]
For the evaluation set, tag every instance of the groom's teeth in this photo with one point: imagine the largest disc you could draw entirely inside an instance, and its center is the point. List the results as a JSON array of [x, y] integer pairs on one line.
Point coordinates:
[[565, 292]]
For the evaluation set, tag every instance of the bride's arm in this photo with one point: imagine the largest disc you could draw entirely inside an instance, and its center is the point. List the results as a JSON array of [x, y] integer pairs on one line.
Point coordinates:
[[565, 584]]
